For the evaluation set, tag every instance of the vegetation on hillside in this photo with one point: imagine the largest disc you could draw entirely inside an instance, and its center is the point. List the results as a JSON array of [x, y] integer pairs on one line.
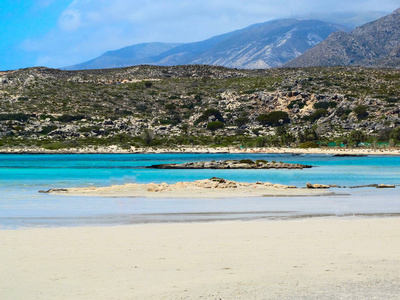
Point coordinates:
[[199, 105]]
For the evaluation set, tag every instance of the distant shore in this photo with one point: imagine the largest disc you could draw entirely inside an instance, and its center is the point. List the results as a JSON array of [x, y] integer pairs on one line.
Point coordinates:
[[199, 149], [319, 258]]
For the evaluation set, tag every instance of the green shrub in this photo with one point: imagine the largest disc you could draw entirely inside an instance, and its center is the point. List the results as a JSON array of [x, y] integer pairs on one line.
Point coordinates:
[[208, 113], [261, 161], [361, 111], [309, 144], [148, 84], [274, 118], [213, 126], [170, 106], [70, 118], [316, 115], [14, 117], [44, 117], [247, 161], [171, 121], [395, 134], [261, 141], [47, 129], [300, 103], [241, 121], [357, 136], [60, 145]]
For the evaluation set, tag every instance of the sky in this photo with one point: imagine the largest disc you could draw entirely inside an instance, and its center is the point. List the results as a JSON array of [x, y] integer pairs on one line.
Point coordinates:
[[60, 33]]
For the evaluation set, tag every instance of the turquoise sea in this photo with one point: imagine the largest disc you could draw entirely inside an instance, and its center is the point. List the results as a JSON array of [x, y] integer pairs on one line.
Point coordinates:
[[22, 176]]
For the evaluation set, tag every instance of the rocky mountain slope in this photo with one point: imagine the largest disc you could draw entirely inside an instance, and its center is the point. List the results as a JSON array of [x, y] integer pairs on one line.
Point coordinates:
[[265, 45], [372, 45], [196, 105], [127, 56]]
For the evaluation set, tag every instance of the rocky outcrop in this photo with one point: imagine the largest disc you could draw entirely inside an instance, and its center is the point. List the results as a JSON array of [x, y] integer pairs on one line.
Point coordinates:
[[213, 183], [317, 186], [231, 164], [386, 186]]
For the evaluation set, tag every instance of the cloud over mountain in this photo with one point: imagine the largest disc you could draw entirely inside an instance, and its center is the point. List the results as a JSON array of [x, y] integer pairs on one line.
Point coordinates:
[[87, 28]]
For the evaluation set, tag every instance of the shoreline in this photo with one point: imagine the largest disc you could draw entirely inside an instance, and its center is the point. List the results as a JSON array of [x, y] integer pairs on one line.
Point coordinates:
[[184, 218], [205, 150], [318, 258]]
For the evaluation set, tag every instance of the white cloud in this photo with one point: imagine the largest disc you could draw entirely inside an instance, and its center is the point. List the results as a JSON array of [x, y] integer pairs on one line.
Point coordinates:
[[87, 28], [70, 20]]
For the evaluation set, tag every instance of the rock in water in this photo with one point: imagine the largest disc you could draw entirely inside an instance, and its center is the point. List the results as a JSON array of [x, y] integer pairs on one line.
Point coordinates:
[[317, 186], [231, 164], [385, 186]]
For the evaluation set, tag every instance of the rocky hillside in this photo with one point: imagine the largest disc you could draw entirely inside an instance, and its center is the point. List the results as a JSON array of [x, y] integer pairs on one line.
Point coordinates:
[[375, 44], [127, 56], [259, 46], [196, 105]]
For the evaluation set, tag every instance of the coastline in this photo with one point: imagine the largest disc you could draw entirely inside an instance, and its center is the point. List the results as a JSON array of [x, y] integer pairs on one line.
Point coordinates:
[[203, 150], [321, 258]]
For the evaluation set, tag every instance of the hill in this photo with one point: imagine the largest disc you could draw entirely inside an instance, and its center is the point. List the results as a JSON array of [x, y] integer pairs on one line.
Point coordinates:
[[198, 105]]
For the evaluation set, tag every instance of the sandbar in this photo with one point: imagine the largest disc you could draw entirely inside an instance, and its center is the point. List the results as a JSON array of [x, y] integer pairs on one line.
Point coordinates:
[[321, 258], [211, 189]]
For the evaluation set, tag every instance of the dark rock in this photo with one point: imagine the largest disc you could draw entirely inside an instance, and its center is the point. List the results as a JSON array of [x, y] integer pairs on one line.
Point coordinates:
[[53, 191], [386, 186], [363, 186], [317, 186]]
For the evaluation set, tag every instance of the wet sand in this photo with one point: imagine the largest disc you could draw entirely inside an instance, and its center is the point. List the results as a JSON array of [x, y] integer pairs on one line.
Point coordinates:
[[321, 258]]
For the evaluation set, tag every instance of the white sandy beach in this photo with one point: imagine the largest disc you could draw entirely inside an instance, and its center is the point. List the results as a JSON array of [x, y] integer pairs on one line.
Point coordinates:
[[332, 258], [200, 149]]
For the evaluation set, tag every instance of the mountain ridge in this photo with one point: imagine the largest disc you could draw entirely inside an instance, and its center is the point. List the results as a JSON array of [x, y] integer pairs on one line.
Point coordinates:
[[371, 45], [126, 55], [273, 43]]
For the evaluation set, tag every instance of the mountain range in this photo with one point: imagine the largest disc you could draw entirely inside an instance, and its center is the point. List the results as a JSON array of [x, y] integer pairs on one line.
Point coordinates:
[[375, 44], [259, 46], [277, 43]]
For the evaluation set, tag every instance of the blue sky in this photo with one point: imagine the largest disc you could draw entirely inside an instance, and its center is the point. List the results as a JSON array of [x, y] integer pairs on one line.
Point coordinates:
[[57, 33]]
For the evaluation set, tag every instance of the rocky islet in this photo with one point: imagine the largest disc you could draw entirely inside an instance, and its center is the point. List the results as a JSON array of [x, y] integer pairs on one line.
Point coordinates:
[[231, 164]]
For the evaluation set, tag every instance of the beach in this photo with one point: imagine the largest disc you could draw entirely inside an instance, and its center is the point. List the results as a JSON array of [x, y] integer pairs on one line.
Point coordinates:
[[318, 258], [135, 237], [201, 149]]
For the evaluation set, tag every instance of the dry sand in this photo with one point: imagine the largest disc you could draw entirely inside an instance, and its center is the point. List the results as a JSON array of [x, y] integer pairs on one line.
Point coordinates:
[[199, 189], [332, 258], [199, 149]]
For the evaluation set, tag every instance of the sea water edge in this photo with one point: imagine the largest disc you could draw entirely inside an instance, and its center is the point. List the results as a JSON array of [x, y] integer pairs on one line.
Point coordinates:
[[21, 176]]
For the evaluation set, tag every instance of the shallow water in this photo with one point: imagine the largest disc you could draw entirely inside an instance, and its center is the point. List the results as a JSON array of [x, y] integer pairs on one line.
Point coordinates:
[[21, 176]]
